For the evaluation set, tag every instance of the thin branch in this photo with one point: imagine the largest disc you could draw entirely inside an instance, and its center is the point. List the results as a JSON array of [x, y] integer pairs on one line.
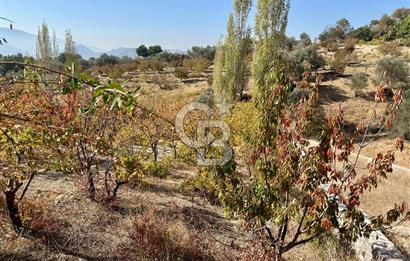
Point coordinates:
[[27, 185], [301, 242]]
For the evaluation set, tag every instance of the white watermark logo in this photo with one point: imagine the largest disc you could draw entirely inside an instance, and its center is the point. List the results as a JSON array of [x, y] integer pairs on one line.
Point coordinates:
[[204, 138]]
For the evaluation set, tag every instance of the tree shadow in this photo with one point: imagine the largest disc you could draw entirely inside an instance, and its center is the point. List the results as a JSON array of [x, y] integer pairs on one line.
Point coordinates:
[[201, 219], [156, 188], [329, 94], [349, 128]]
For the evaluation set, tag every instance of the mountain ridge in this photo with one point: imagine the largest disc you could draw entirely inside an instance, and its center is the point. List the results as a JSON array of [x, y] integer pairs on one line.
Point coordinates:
[[19, 41]]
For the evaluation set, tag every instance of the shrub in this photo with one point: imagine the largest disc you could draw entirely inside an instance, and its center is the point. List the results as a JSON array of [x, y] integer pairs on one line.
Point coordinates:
[[305, 40], [363, 33], [391, 48], [106, 59], [203, 185], [403, 30], [315, 126], [358, 82], [181, 73], [350, 44], [339, 61], [158, 169], [151, 64], [402, 123], [164, 82], [300, 56], [186, 154], [198, 65], [394, 71], [159, 237], [142, 51], [207, 52], [333, 46]]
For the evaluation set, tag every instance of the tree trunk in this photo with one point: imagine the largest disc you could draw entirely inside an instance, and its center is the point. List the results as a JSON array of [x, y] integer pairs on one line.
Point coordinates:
[[91, 187], [13, 210]]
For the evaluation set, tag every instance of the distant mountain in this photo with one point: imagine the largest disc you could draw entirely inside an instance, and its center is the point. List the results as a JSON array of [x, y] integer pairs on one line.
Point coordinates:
[[25, 43], [120, 52]]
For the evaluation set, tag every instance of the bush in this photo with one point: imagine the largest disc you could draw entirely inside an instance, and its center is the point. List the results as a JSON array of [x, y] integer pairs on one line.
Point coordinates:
[[394, 71], [198, 65], [297, 94], [106, 59], [363, 33], [203, 185], [350, 44], [315, 127], [339, 61], [164, 82], [160, 237], [186, 154], [358, 82], [333, 46], [402, 123], [403, 31], [181, 73], [391, 48], [151, 64], [207, 52], [300, 56], [158, 169]]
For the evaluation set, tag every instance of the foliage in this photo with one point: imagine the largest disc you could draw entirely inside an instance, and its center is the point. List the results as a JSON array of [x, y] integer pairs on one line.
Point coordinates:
[[401, 13], [158, 169], [106, 59], [394, 71], [164, 82], [54, 122], [305, 57], [291, 181], [305, 40], [10, 68], [338, 32], [69, 46], [174, 59], [363, 33], [340, 61], [391, 48], [203, 185], [154, 50], [350, 44], [403, 29], [181, 73], [236, 49], [165, 236], [197, 65], [401, 125], [151, 64], [44, 47], [143, 51], [358, 82], [207, 52], [219, 78]]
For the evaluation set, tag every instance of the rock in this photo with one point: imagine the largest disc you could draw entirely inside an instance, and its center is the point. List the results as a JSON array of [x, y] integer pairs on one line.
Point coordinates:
[[59, 199], [377, 247]]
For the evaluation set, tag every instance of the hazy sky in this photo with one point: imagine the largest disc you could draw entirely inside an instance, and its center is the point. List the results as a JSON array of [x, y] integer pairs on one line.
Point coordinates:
[[174, 24]]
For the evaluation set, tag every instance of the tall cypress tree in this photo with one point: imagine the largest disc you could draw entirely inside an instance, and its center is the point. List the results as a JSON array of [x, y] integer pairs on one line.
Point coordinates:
[[269, 69], [219, 79], [69, 47], [44, 49], [236, 46]]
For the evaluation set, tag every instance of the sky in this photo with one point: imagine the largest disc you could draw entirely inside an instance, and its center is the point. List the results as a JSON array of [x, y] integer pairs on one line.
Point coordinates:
[[174, 24]]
